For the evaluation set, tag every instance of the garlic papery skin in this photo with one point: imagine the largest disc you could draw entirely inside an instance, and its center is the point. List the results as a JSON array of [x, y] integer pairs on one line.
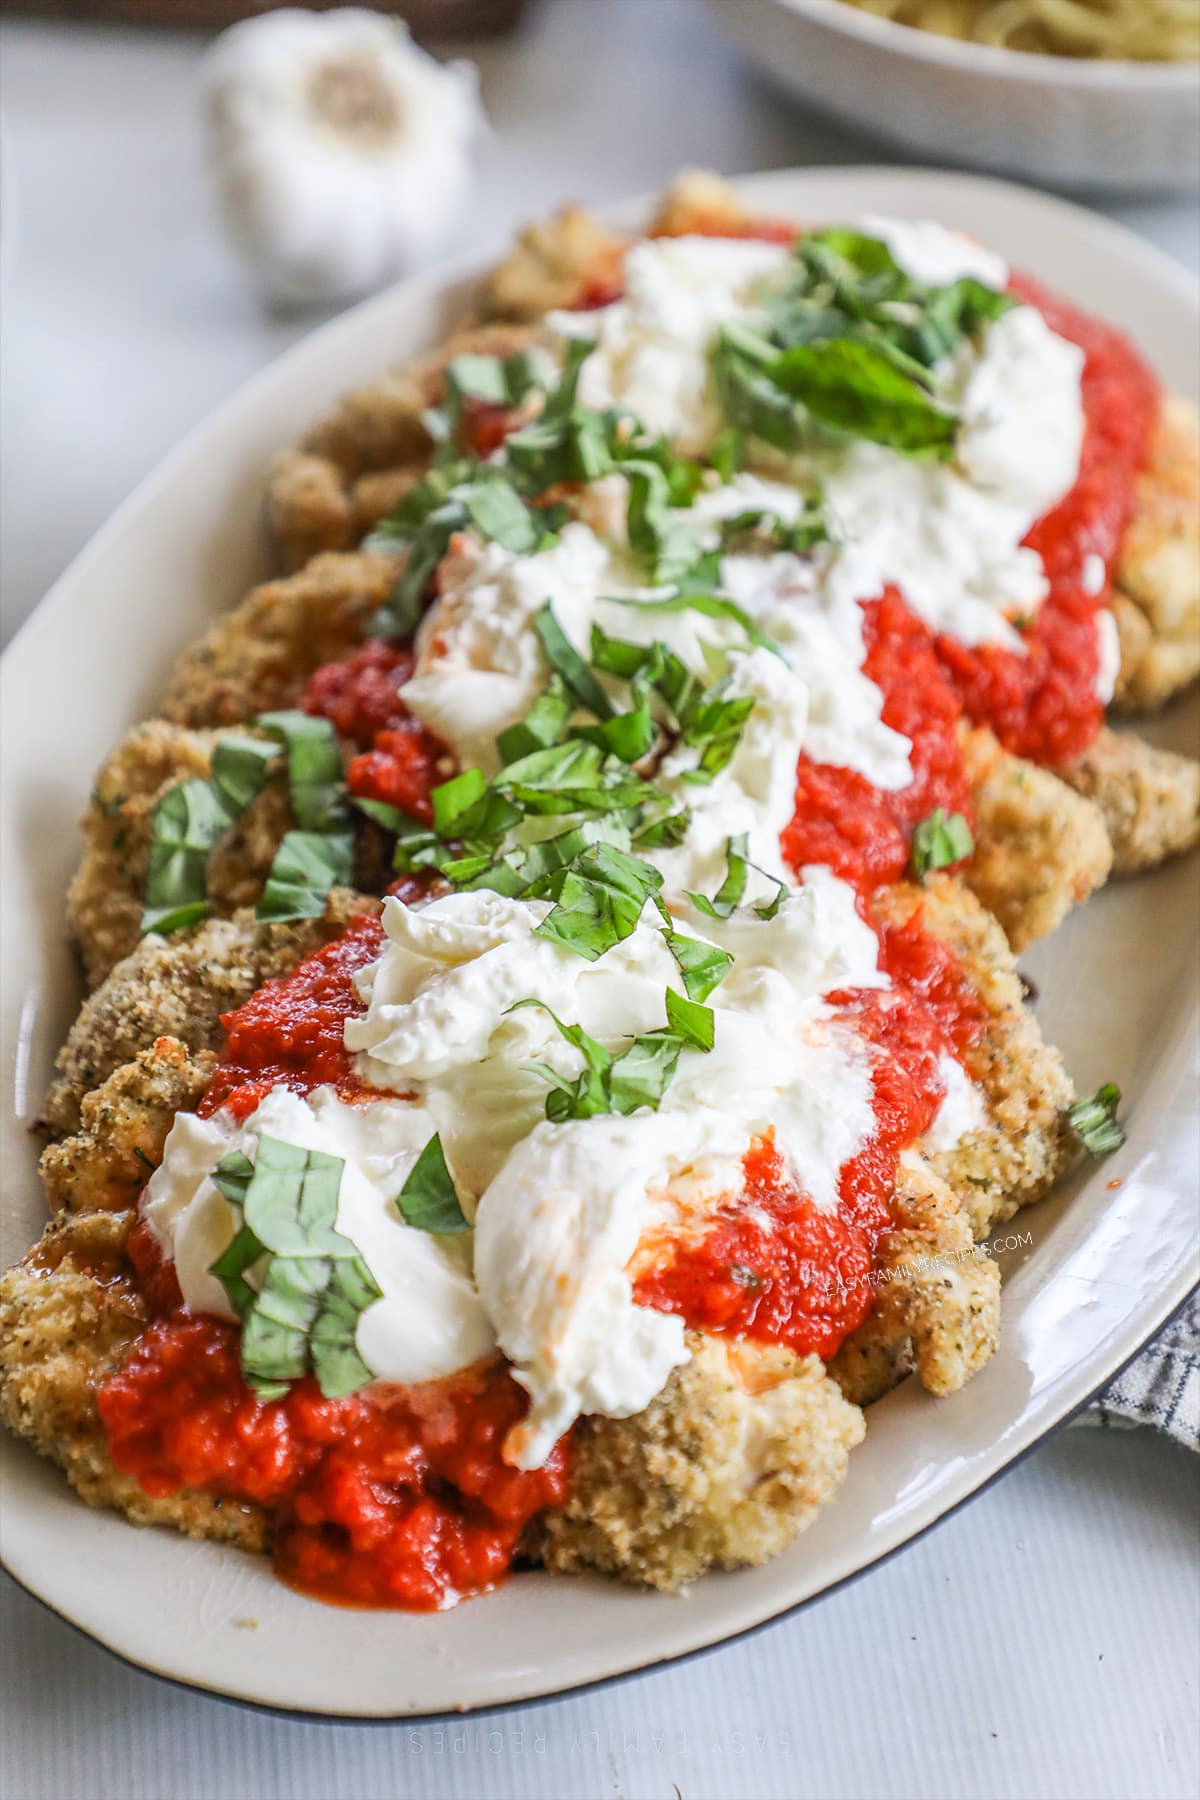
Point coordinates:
[[341, 152]]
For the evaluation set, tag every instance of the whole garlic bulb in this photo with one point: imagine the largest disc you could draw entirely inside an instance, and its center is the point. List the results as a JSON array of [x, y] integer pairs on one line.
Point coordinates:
[[341, 151]]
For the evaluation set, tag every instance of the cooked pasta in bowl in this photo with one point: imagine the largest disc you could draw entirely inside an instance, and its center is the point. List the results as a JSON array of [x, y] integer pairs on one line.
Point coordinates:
[[1155, 31], [1087, 94]]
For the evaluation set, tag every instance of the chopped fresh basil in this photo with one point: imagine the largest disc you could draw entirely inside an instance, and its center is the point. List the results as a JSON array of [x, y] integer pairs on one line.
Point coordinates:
[[542, 725], [665, 543], [939, 841], [1094, 1121], [703, 966], [239, 770], [599, 900], [856, 388], [428, 1201], [188, 821], [316, 783], [567, 663], [314, 1285], [307, 865], [230, 1267], [637, 1077], [332, 1343], [497, 511], [731, 892]]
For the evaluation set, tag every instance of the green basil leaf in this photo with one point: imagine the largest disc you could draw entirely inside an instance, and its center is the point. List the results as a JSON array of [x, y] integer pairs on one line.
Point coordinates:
[[727, 453], [428, 1201], [939, 841], [456, 797], [316, 782], [390, 817], [275, 1330], [307, 865], [187, 822], [664, 833], [642, 1074], [1094, 1121], [401, 612], [703, 966], [664, 542], [567, 663], [855, 387], [690, 1022], [729, 895], [230, 1268], [600, 901], [291, 1200], [336, 1363], [233, 1175], [542, 725], [470, 377], [497, 511], [239, 770]]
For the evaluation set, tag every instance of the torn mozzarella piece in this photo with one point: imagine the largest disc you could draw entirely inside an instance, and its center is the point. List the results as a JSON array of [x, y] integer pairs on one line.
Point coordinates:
[[653, 345], [934, 254], [429, 1321], [554, 1235]]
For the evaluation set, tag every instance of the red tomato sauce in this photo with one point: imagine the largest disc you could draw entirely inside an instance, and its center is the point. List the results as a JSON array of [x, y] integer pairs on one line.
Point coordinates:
[[394, 1497], [289, 1034], [1043, 705], [774, 1266], [842, 820], [399, 762]]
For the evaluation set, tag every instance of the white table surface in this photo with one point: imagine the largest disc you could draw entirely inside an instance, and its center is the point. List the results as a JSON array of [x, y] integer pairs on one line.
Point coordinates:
[[1043, 1642]]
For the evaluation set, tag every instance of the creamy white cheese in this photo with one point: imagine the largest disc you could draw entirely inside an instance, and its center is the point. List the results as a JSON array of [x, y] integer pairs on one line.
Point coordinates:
[[652, 345], [963, 1108], [555, 1232], [935, 255], [479, 665], [560, 1210], [429, 1321]]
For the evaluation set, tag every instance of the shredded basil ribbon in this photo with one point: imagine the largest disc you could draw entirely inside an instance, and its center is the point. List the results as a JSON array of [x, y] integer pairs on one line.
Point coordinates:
[[850, 346], [638, 1076], [429, 1201], [192, 817], [1094, 1120], [939, 841], [314, 1285], [731, 892]]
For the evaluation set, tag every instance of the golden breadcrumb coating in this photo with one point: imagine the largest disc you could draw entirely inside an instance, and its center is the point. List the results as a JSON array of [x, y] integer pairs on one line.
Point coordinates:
[[1150, 799], [70, 1312], [1029, 1143], [380, 425], [1158, 575], [551, 264], [1040, 848], [123, 1125], [937, 1297], [257, 656], [308, 509], [178, 987], [104, 900], [732, 1460], [698, 202]]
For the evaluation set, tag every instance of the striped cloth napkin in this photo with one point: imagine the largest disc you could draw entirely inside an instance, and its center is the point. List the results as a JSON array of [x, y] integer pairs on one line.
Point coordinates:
[[1161, 1387]]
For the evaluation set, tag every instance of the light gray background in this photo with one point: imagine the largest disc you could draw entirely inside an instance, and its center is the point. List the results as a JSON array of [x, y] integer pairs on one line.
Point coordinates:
[[1045, 1642]]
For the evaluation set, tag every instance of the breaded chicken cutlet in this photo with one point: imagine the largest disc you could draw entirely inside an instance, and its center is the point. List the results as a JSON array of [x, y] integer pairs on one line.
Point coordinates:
[[745, 1439]]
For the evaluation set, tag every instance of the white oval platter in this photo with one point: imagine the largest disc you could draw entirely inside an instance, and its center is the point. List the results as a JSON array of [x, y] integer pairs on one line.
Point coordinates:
[[1101, 1267]]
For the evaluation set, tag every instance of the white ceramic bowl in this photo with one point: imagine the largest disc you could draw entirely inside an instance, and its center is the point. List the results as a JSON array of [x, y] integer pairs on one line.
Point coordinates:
[[1114, 126], [1090, 1274]]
